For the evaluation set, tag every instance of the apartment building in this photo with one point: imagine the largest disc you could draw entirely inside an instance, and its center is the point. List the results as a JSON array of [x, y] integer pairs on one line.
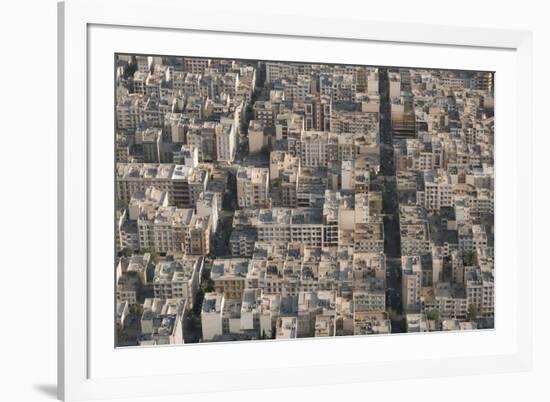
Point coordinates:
[[242, 241], [174, 179], [226, 143], [318, 148], [480, 290], [211, 316], [373, 298], [447, 299], [411, 281], [253, 187], [438, 192], [269, 311], [229, 276], [178, 279], [304, 225], [163, 229], [287, 328], [197, 237], [417, 323], [414, 230], [162, 322], [371, 323], [283, 172]]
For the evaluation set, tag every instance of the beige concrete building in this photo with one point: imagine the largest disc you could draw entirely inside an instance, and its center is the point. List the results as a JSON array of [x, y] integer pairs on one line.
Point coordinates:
[[162, 322], [253, 187], [229, 276]]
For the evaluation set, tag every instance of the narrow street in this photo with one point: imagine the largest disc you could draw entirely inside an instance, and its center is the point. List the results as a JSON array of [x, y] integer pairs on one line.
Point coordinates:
[[392, 244]]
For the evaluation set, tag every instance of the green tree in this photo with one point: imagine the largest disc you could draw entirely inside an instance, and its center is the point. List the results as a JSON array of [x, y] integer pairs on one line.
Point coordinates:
[[472, 313], [154, 255], [126, 252], [469, 258], [398, 321], [136, 309], [392, 315], [433, 315], [207, 285], [121, 336], [198, 305]]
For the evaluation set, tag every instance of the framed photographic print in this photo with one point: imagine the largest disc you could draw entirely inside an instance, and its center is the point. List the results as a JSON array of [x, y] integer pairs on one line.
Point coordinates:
[[313, 202]]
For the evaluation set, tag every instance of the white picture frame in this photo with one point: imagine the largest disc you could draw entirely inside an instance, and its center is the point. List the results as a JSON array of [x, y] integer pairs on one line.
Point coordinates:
[[80, 329]]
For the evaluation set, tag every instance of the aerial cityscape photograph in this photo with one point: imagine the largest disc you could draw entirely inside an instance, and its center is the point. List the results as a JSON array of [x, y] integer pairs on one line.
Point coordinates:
[[261, 200]]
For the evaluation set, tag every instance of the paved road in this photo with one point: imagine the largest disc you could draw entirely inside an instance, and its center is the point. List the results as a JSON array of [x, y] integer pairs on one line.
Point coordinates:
[[225, 218], [392, 244]]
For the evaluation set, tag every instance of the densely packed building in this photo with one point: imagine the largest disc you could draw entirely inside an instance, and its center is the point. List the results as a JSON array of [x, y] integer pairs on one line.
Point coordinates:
[[271, 200]]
